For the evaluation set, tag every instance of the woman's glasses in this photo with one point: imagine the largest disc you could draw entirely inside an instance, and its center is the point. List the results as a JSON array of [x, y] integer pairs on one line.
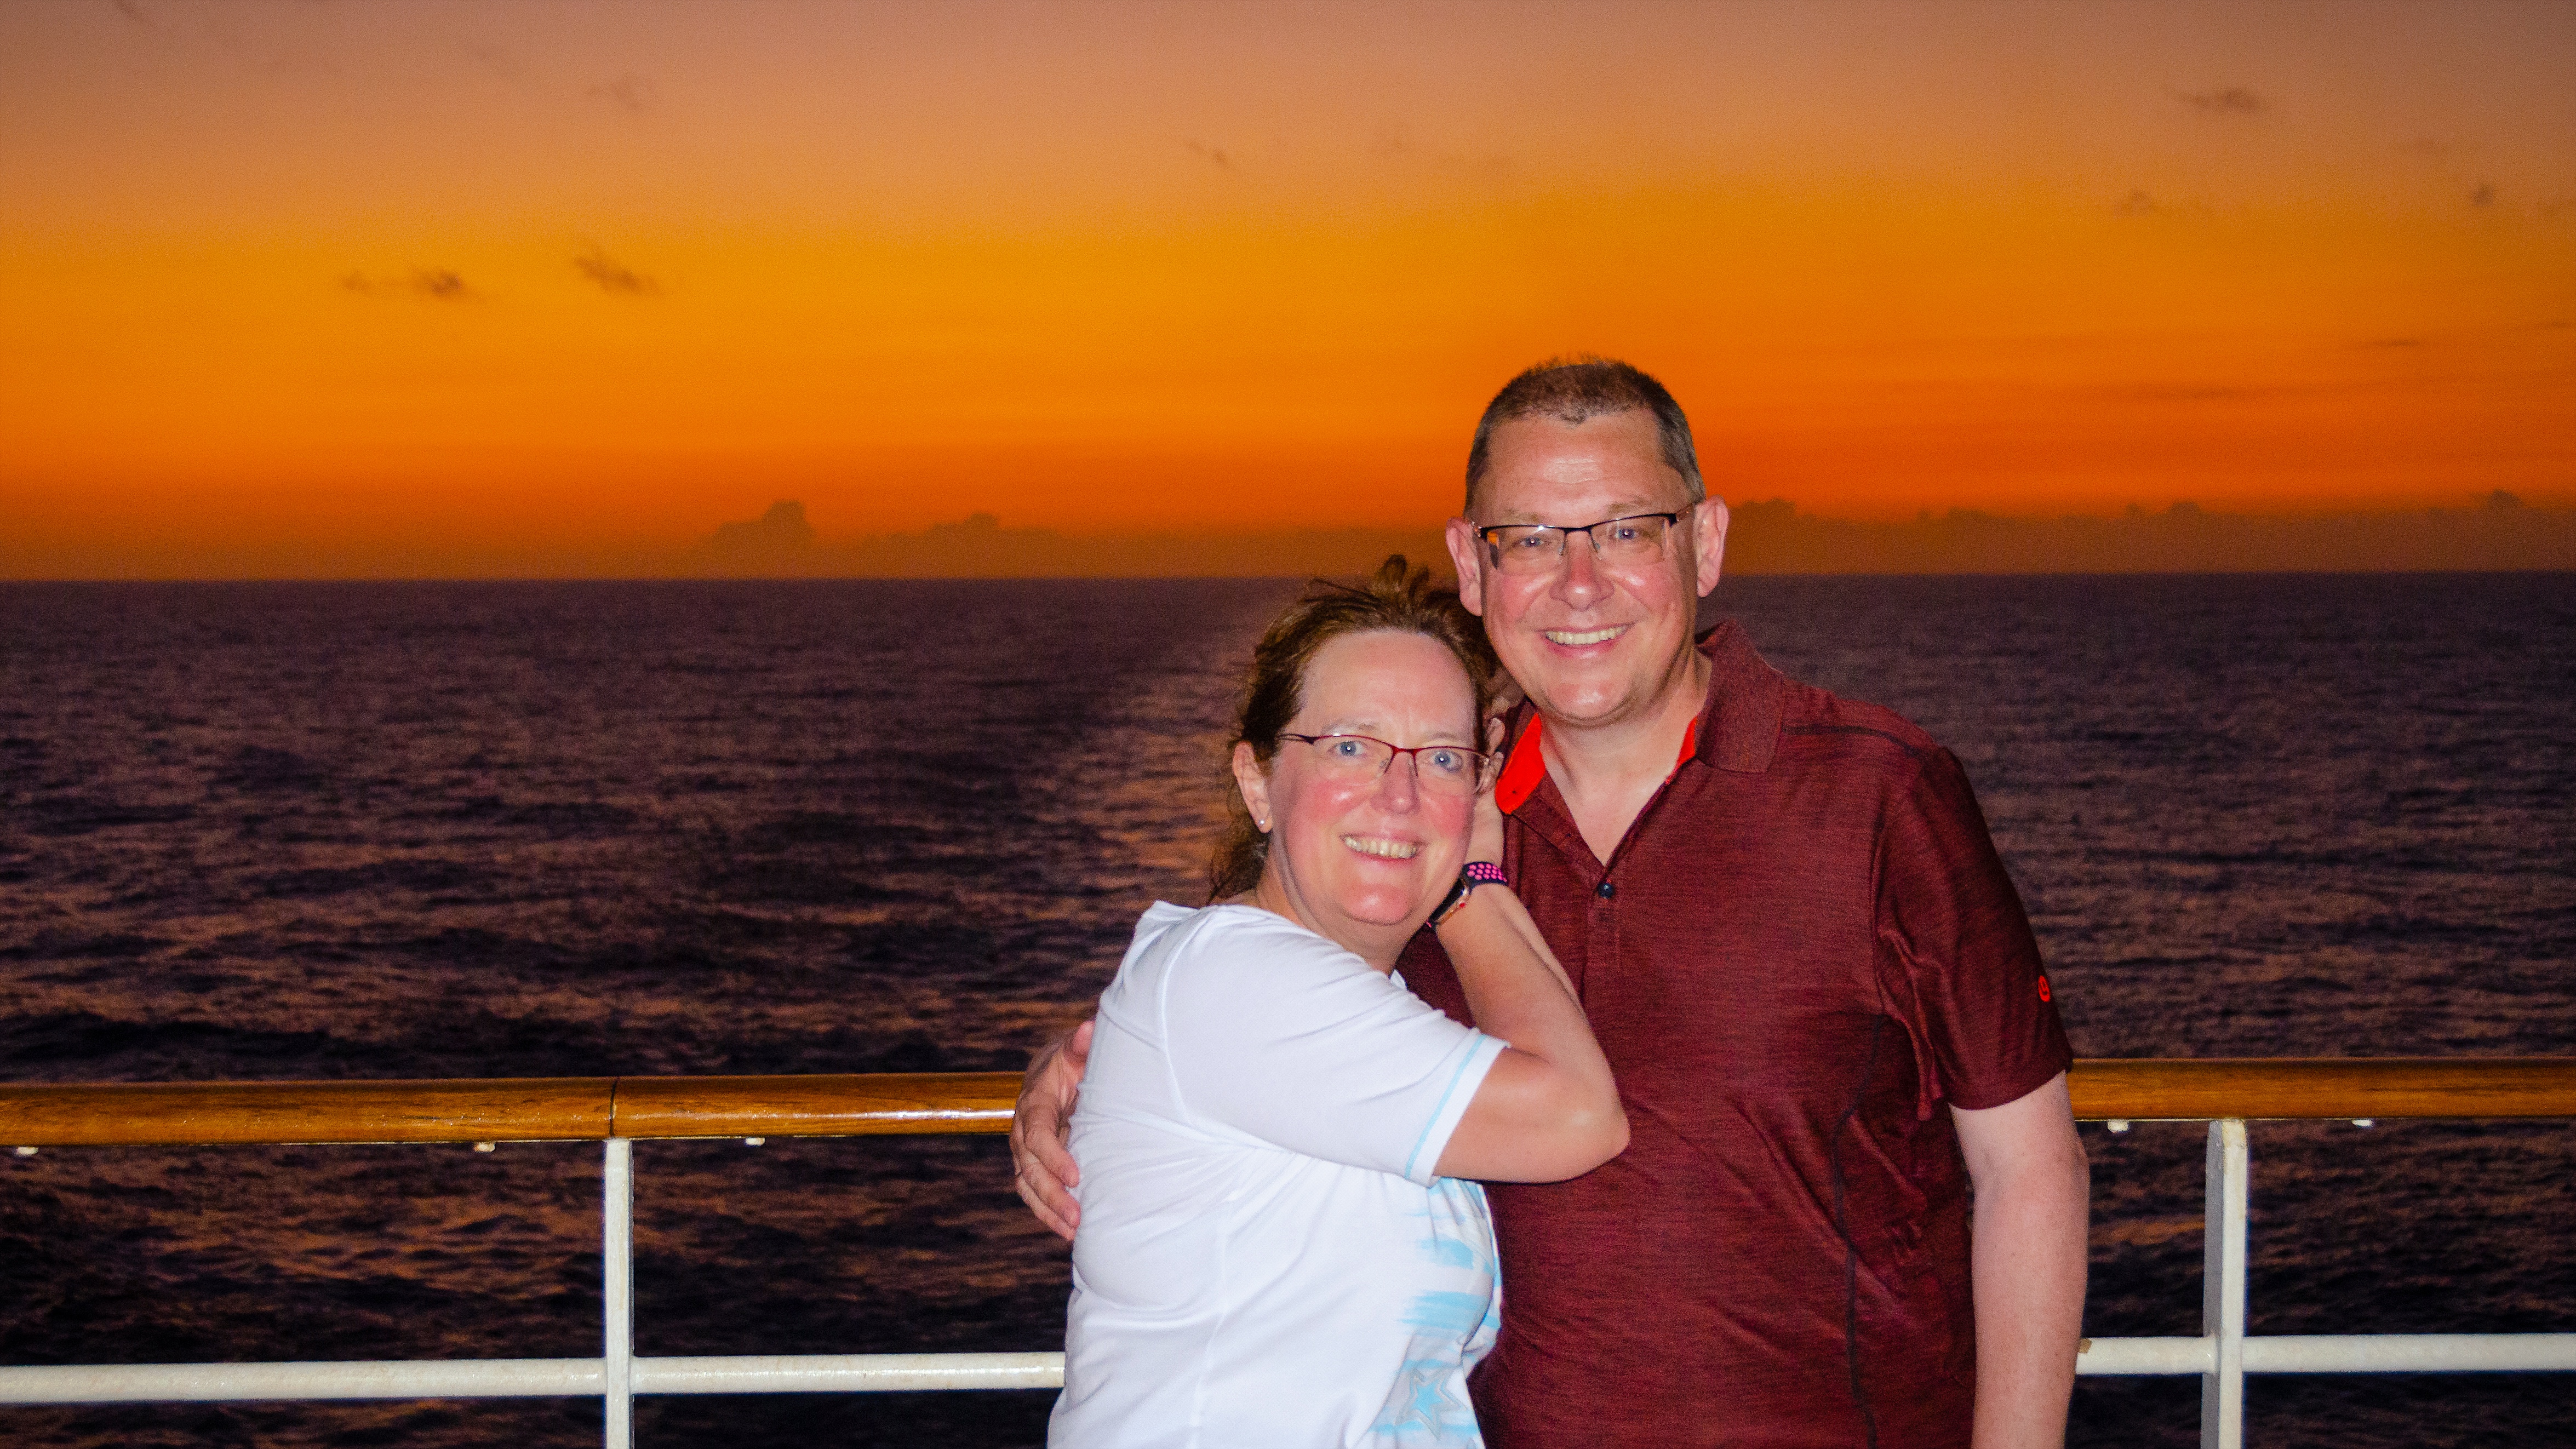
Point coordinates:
[[1439, 769]]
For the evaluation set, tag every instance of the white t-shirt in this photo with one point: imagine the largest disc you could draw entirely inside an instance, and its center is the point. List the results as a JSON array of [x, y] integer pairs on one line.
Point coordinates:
[[1266, 1257]]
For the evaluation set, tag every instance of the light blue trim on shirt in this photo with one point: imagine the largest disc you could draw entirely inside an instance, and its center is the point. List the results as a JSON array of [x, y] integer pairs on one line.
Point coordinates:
[[1476, 1053]]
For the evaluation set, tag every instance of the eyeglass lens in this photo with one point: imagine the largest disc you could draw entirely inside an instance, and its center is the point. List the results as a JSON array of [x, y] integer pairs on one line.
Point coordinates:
[[1524, 547], [1445, 768]]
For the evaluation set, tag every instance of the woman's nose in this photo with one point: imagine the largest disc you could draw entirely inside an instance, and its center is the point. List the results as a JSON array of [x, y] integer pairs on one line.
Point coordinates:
[[1397, 786]]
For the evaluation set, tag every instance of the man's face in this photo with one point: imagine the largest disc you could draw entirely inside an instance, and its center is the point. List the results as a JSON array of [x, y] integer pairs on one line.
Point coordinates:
[[1592, 644]]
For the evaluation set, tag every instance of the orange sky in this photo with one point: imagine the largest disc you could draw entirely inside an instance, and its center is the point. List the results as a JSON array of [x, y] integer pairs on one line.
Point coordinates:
[[301, 279]]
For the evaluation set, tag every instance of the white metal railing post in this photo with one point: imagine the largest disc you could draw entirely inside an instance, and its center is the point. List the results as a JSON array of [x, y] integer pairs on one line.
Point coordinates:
[[617, 1299], [2222, 1289]]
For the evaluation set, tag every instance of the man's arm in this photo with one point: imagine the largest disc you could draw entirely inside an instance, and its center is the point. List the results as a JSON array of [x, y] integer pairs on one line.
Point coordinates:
[[1040, 1167], [2027, 1263]]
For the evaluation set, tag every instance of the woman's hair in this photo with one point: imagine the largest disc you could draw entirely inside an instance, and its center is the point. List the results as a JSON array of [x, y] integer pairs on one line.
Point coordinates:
[[1396, 598]]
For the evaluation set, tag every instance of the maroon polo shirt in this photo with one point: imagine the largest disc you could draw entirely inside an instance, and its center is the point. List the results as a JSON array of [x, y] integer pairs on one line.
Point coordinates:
[[1804, 951]]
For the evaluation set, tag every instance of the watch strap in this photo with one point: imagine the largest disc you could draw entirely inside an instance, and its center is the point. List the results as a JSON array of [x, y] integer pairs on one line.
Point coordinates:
[[1471, 875]]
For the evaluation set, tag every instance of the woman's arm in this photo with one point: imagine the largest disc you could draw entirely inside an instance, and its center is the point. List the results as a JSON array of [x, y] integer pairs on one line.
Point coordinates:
[[1548, 1110]]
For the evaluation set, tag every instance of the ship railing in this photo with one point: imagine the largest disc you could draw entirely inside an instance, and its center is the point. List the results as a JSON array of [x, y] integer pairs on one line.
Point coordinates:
[[620, 1111]]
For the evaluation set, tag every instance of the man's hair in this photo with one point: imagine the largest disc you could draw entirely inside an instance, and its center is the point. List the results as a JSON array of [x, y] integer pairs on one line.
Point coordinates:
[[1571, 389], [1396, 599]]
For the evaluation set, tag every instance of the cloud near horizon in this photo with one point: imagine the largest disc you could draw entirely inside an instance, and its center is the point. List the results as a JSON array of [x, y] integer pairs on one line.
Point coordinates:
[[436, 284], [613, 277], [2499, 533], [2225, 100]]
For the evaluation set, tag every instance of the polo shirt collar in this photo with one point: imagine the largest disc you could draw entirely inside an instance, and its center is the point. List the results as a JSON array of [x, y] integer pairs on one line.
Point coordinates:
[[1736, 729]]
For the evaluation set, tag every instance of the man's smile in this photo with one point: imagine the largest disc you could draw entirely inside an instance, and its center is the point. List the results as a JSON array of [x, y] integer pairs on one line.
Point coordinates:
[[1577, 638]]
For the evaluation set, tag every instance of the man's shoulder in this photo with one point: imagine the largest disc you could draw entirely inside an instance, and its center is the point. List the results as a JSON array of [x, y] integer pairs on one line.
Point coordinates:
[[1821, 729], [1761, 719]]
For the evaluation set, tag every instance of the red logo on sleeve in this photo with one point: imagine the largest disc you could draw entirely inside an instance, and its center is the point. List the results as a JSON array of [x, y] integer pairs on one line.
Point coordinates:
[[2043, 990]]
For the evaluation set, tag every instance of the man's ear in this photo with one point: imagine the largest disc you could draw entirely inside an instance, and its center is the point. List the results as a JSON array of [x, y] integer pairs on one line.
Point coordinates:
[[1253, 783], [1465, 552], [1708, 542]]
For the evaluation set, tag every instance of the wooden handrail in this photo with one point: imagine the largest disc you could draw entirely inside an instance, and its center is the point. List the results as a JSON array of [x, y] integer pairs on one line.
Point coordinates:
[[2189, 1090], [558, 1109], [593, 1108]]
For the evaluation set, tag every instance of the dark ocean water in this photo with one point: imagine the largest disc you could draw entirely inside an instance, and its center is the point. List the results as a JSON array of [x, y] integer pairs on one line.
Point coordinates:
[[296, 831]]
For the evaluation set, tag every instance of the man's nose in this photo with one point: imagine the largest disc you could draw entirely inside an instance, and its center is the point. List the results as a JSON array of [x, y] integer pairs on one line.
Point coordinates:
[[1579, 581]]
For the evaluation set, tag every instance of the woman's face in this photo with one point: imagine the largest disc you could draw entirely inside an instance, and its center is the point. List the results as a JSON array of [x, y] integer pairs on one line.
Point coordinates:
[[1363, 860]]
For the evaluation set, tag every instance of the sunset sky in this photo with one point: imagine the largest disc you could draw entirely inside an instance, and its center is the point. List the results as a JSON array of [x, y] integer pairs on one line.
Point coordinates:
[[336, 287]]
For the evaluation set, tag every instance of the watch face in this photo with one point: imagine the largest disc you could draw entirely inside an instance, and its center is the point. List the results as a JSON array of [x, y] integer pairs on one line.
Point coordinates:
[[1457, 897]]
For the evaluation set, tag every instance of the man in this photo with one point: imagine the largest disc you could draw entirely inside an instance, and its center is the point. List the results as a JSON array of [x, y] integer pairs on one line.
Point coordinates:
[[1809, 973]]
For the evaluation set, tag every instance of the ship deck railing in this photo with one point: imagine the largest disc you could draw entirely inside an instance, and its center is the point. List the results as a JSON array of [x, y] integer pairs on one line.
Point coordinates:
[[620, 1111]]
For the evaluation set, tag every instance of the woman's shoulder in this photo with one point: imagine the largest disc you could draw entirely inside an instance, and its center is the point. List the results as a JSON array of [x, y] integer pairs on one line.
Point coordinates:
[[1229, 926], [1231, 946]]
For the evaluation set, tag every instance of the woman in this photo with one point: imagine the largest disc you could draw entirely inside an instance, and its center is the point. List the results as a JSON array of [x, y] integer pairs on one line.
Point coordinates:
[[1276, 1248]]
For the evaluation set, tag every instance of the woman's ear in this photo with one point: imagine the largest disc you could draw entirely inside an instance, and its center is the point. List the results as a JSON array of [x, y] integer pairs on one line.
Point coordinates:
[[1255, 785]]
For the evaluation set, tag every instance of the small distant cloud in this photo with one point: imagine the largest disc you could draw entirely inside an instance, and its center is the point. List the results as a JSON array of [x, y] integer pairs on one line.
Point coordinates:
[[633, 93], [782, 527], [2225, 101], [1213, 155], [437, 284], [613, 278], [2483, 194], [2136, 203], [492, 58], [132, 11], [1391, 140], [2395, 342]]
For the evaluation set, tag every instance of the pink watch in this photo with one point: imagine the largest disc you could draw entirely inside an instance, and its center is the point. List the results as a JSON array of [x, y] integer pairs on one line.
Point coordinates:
[[1471, 875]]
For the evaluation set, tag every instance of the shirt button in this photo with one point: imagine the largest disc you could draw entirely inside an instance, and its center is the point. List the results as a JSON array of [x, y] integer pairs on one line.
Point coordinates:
[[1605, 890]]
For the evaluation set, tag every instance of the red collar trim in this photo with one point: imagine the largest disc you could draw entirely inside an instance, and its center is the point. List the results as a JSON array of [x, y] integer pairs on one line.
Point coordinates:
[[1523, 768], [1526, 766]]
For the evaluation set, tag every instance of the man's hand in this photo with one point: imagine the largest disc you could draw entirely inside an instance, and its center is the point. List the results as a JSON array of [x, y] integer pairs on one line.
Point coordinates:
[[1040, 1167]]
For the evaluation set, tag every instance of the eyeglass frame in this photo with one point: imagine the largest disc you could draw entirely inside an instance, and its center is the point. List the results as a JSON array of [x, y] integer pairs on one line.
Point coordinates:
[[1565, 531], [1484, 758]]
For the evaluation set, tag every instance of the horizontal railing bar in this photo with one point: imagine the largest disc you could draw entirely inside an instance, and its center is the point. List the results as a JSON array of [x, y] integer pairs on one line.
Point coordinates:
[[2355, 1353], [509, 1378], [2187, 1090], [576, 1109], [468, 1378], [190, 1113], [913, 1372], [2397, 1353], [816, 1106], [2145, 1356], [595, 1108], [848, 1373]]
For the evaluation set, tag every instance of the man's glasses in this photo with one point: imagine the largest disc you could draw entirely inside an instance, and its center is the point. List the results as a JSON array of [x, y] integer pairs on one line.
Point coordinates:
[[1537, 548], [1439, 769]]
